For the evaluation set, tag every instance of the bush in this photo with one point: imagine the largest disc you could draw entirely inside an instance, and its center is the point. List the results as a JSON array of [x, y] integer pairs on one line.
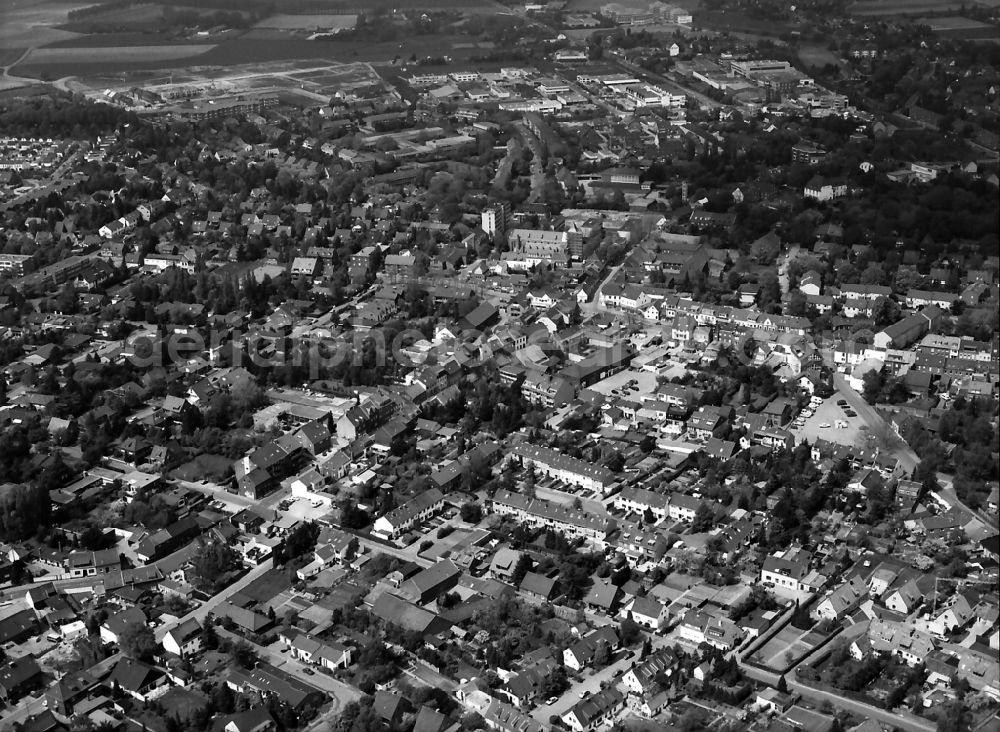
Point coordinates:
[[444, 531], [426, 544]]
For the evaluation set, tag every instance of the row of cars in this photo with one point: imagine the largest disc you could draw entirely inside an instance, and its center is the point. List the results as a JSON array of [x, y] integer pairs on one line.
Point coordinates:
[[807, 412], [846, 408]]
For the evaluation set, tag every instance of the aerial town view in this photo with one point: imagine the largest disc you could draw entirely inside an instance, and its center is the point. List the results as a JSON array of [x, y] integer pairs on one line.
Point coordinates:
[[499, 365]]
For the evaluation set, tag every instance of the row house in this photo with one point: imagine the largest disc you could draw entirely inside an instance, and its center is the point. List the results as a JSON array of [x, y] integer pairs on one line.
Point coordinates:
[[415, 511], [569, 470], [640, 500], [640, 544], [923, 298], [548, 391], [574, 523]]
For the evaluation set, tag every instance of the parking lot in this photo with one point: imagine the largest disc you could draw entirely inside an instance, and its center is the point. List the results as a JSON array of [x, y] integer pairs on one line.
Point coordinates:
[[305, 509], [823, 424], [646, 383]]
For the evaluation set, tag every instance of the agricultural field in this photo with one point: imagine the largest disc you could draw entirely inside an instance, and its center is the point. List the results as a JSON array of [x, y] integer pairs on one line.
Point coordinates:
[[309, 22], [27, 23], [956, 26], [735, 22], [137, 17], [59, 62], [902, 7], [591, 6]]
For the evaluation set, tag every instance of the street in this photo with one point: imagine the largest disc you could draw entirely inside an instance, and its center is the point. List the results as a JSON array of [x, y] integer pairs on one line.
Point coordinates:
[[209, 605], [900, 719], [590, 683]]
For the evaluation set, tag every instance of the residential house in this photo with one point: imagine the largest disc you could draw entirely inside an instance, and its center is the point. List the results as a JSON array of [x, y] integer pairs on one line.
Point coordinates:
[[137, 679], [581, 654], [595, 710], [113, 628], [184, 640], [646, 612]]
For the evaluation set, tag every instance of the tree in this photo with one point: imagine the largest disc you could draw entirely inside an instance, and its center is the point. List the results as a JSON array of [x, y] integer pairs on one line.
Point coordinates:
[[213, 562], [872, 383], [352, 517], [602, 654], [242, 654], [520, 569], [704, 518], [138, 641], [885, 311], [629, 631], [471, 512], [797, 303], [954, 717]]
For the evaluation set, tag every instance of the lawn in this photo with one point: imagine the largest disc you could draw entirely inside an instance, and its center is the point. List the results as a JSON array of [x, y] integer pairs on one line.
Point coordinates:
[[789, 640], [204, 467], [266, 587]]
